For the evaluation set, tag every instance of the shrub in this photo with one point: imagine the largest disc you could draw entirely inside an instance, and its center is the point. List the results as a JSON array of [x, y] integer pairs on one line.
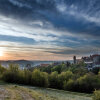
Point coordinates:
[[88, 83], [57, 68], [96, 70], [27, 75], [2, 70], [69, 85], [39, 78], [11, 74], [53, 80], [96, 95]]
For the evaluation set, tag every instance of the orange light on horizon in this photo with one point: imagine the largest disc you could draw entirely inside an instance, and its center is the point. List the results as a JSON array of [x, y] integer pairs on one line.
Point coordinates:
[[1, 53]]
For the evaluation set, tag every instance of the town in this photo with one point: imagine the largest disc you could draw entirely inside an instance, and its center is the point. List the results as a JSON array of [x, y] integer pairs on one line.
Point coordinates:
[[92, 61]]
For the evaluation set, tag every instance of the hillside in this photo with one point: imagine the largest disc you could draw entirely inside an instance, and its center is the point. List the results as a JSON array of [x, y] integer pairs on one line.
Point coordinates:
[[14, 92]]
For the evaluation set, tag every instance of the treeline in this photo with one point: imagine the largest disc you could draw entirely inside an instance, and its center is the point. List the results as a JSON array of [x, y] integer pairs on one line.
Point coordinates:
[[70, 77]]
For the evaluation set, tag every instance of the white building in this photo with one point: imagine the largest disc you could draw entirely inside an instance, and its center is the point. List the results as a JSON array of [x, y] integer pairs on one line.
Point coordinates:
[[92, 61]]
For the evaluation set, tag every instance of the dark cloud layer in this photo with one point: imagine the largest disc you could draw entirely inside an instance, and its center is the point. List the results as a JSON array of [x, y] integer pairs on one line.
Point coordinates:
[[72, 15], [73, 23]]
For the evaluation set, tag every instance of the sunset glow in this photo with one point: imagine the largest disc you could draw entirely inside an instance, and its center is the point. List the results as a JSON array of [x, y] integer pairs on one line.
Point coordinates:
[[49, 29], [1, 53]]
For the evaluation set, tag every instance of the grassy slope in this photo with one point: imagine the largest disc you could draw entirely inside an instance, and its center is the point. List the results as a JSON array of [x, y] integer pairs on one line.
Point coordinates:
[[63, 95], [14, 92]]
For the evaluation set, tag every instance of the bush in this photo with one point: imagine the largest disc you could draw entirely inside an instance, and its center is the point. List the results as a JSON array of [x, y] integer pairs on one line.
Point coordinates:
[[11, 74], [27, 75], [57, 68], [53, 80], [96, 95], [69, 85], [57, 80], [88, 83], [2, 70], [10, 77], [96, 70], [39, 78]]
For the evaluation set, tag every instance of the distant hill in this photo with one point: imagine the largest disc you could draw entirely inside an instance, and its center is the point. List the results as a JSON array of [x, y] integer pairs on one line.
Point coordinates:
[[24, 63], [21, 63]]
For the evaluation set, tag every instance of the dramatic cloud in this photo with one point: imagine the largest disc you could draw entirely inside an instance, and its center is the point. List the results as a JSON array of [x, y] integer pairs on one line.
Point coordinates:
[[58, 29]]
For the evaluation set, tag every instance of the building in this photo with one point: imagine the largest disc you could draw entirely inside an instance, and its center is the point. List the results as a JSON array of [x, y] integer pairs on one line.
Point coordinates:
[[92, 61], [44, 65], [74, 59]]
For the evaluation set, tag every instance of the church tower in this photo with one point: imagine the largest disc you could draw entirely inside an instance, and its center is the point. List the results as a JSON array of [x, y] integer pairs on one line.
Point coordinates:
[[74, 59]]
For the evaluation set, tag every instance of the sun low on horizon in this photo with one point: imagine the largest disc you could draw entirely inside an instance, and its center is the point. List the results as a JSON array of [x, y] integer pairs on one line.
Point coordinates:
[[1, 53]]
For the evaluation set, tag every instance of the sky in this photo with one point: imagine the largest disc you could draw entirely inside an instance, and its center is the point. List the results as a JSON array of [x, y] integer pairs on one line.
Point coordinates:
[[49, 29]]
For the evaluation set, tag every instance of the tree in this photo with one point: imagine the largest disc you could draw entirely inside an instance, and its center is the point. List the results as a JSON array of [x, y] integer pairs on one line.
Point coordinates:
[[57, 68], [12, 74], [88, 83], [27, 76], [39, 78], [96, 70], [46, 69], [68, 85], [53, 80], [2, 70]]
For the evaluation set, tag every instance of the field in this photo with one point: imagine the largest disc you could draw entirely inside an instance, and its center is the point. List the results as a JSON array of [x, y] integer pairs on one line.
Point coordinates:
[[15, 92]]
